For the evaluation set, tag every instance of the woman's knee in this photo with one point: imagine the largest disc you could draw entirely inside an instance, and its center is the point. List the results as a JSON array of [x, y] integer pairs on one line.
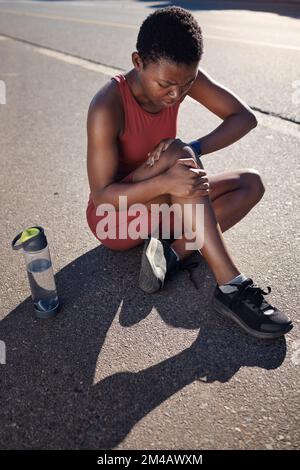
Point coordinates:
[[253, 182], [166, 160], [143, 172]]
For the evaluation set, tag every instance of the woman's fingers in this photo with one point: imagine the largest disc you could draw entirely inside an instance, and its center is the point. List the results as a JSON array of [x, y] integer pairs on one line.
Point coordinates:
[[199, 172], [188, 162], [167, 144], [150, 160], [202, 187], [152, 157], [155, 154], [162, 146]]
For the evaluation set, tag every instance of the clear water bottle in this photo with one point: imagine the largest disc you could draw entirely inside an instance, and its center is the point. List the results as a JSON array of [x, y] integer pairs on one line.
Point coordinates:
[[33, 241]]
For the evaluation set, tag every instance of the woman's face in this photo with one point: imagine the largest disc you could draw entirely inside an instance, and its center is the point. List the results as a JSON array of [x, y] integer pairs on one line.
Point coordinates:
[[164, 83]]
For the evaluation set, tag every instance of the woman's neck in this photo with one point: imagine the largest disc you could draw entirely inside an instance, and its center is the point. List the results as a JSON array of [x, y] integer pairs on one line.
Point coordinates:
[[138, 94]]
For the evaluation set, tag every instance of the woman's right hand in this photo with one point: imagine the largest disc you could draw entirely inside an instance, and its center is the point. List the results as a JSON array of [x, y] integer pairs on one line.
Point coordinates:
[[185, 179]]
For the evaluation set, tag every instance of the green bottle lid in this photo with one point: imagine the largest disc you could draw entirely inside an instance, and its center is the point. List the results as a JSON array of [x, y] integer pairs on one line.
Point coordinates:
[[31, 239]]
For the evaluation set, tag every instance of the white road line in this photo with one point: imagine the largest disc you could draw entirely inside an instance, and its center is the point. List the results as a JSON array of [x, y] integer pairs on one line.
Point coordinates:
[[272, 122], [86, 64], [71, 19], [278, 125], [253, 43], [136, 28]]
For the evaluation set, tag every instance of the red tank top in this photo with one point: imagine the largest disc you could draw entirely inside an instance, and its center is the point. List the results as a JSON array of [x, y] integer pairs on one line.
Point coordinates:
[[142, 130]]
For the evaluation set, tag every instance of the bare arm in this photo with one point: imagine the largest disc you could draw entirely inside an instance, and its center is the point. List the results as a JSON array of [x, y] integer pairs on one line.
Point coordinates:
[[102, 162], [238, 118], [141, 192]]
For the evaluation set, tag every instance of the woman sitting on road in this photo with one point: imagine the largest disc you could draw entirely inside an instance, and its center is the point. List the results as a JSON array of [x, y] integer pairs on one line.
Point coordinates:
[[133, 152]]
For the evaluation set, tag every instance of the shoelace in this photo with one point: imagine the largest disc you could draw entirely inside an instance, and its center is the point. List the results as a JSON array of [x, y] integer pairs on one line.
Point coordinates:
[[250, 291]]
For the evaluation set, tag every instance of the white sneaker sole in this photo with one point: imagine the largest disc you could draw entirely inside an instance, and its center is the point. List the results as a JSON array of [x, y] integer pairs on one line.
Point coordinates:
[[153, 267]]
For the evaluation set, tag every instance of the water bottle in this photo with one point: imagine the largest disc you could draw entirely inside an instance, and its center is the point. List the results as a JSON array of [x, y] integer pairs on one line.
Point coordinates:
[[33, 241]]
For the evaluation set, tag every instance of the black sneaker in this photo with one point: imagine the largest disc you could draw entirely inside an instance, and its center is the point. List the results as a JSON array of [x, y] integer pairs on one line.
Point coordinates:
[[159, 262], [248, 308]]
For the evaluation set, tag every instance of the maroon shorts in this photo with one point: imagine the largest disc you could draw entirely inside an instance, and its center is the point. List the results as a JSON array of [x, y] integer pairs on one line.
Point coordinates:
[[121, 222]]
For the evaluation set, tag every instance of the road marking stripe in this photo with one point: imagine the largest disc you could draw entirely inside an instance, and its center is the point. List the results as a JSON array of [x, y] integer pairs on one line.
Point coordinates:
[[134, 27], [86, 64], [277, 124], [71, 19], [272, 122], [253, 43]]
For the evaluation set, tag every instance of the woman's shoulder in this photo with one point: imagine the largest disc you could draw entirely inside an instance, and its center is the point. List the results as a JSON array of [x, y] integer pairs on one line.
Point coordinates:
[[108, 100]]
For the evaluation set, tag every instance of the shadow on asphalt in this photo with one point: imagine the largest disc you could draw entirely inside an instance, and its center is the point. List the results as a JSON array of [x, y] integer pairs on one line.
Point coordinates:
[[48, 397]]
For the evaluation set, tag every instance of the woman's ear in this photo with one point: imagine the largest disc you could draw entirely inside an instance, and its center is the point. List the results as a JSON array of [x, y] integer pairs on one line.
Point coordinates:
[[137, 61]]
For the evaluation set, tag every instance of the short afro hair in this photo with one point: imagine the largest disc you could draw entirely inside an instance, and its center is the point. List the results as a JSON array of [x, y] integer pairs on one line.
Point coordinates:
[[170, 33]]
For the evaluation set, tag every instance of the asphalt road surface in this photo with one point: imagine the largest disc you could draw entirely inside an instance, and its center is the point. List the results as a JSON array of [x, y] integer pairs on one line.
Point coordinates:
[[119, 369]]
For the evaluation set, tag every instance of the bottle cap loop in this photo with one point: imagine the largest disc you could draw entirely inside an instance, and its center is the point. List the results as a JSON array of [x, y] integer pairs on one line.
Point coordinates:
[[31, 239]]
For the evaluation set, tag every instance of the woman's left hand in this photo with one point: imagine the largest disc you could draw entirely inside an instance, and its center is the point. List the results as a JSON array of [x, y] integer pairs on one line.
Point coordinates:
[[154, 155]]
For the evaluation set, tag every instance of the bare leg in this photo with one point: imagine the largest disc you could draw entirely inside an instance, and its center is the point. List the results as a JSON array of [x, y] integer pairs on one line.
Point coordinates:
[[214, 249], [233, 195]]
